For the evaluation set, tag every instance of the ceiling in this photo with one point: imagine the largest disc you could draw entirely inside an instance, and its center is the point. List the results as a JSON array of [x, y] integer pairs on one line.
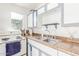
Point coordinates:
[[28, 6]]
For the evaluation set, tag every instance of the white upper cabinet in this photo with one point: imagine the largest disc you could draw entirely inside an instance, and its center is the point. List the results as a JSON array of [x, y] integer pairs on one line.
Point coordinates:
[[51, 6], [41, 10], [49, 13], [70, 14], [47, 7]]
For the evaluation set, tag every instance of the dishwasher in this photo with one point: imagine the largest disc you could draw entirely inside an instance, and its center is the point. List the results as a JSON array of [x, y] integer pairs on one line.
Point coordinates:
[[13, 48]]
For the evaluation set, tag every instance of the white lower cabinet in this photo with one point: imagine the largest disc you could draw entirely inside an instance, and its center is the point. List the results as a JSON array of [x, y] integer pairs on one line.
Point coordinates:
[[32, 51], [2, 50], [43, 54], [35, 51], [23, 46], [62, 54], [38, 49]]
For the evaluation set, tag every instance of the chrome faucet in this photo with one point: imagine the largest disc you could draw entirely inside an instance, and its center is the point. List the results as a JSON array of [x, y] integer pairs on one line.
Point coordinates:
[[48, 37]]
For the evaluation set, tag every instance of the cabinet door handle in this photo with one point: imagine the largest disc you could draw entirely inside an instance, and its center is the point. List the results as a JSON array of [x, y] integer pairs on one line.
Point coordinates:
[[30, 50]]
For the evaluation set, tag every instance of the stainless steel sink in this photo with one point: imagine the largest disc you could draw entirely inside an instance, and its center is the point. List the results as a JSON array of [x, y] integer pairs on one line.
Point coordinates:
[[38, 37], [51, 41]]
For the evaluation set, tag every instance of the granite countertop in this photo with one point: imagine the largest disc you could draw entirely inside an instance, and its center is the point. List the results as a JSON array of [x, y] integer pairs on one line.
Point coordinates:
[[64, 46]]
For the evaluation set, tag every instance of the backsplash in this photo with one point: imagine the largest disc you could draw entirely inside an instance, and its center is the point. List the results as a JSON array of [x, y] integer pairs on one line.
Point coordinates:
[[72, 32]]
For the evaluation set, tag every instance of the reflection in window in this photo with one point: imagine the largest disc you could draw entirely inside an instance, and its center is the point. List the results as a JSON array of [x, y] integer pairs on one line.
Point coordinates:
[[35, 19], [16, 20], [30, 20]]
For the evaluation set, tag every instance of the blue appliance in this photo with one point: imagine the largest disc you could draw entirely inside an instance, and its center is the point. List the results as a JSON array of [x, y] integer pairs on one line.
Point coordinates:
[[13, 48]]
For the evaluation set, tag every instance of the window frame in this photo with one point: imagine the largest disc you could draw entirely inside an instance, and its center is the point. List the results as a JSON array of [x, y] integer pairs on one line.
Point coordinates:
[[45, 10], [27, 20], [32, 19]]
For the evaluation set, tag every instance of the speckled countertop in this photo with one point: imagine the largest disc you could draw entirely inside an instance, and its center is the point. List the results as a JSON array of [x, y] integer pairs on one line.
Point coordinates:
[[66, 47]]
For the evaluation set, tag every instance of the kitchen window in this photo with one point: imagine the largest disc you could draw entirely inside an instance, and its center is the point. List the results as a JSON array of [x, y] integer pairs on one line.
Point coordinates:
[[32, 19], [35, 18], [16, 20]]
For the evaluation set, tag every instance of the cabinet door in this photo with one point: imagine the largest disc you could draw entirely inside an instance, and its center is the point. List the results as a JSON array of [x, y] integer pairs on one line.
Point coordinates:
[[51, 6], [44, 48], [2, 50], [71, 14], [35, 51], [23, 46]]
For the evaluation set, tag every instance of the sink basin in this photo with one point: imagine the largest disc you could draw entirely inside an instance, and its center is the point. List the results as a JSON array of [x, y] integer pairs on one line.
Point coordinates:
[[51, 41], [38, 37]]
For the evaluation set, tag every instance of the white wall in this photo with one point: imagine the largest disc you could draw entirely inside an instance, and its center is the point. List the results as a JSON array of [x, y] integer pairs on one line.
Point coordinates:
[[5, 10], [55, 15]]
